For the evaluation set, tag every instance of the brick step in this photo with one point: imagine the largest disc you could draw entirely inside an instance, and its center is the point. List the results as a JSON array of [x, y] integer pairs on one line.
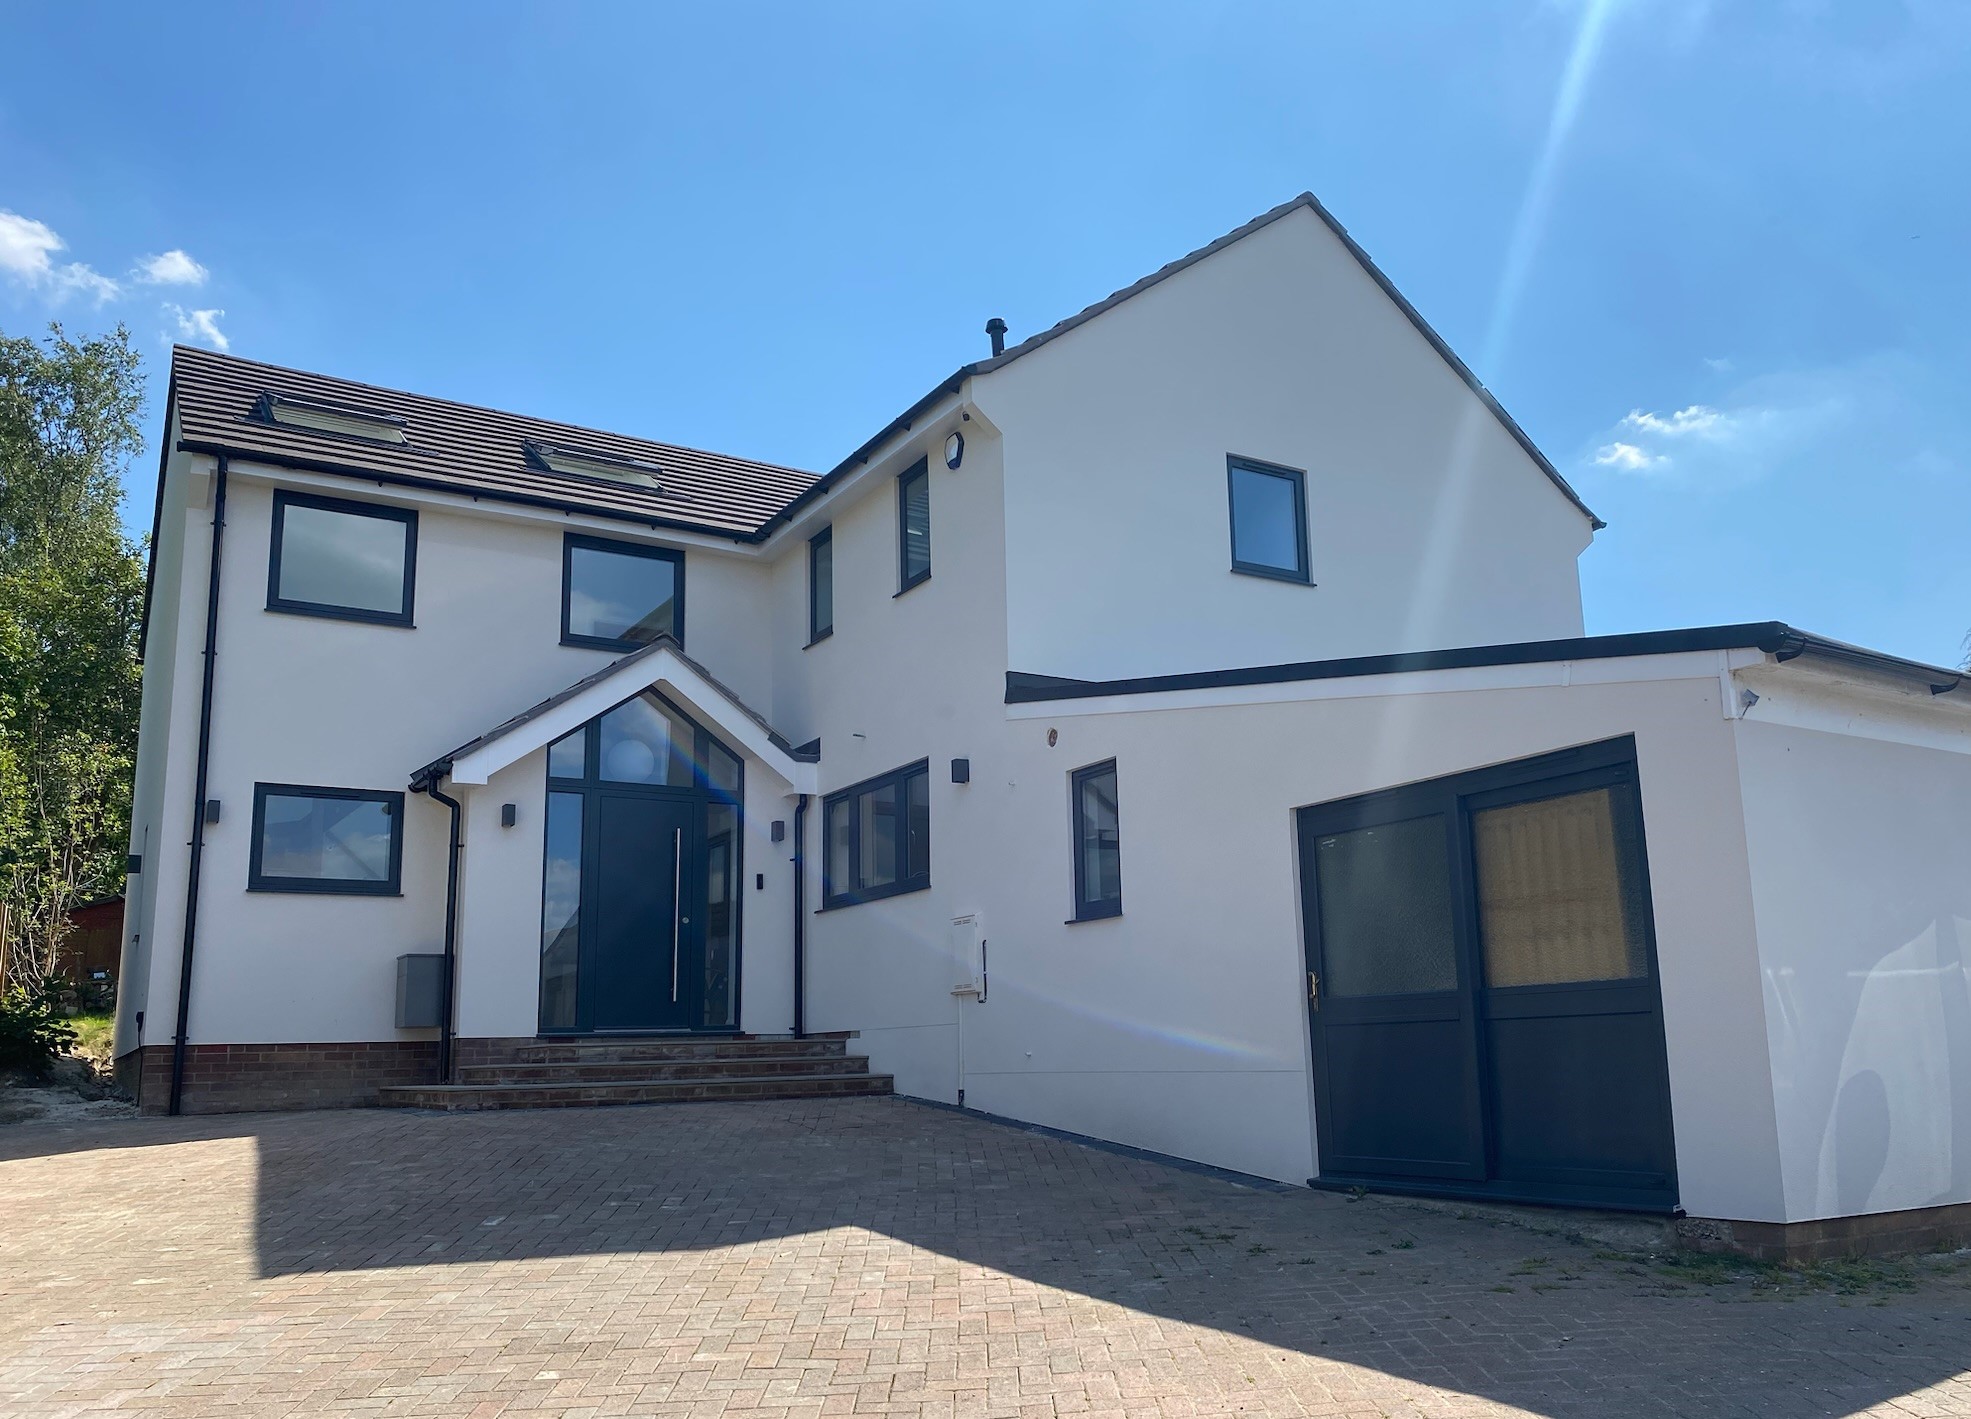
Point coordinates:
[[628, 1051], [457, 1097], [619, 1071]]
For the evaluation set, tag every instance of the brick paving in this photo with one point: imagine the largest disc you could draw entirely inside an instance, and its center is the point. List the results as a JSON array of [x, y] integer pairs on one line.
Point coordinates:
[[856, 1257]]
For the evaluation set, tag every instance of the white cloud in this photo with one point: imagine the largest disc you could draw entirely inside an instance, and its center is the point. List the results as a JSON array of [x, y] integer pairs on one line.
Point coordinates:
[[1718, 364], [1696, 419], [1625, 456], [170, 268], [199, 325], [27, 255]]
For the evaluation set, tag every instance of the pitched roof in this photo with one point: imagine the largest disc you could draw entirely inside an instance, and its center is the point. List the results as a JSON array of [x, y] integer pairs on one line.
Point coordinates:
[[955, 381], [463, 448]]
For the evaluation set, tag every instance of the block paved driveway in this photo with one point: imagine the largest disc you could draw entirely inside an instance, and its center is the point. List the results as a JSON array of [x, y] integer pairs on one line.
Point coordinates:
[[851, 1258]]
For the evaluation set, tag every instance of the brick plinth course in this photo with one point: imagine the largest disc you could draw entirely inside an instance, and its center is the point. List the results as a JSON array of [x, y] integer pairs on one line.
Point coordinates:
[[854, 1257], [251, 1077]]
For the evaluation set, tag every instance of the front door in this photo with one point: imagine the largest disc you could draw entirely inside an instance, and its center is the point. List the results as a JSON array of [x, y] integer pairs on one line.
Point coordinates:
[[647, 957], [1482, 985]]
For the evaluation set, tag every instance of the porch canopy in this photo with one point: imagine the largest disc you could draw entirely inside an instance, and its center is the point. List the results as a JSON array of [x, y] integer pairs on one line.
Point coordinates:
[[661, 664]]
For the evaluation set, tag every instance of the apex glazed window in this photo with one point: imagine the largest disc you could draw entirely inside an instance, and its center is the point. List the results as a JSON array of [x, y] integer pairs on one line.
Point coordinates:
[[877, 837], [346, 840], [619, 595], [1269, 519], [346, 560]]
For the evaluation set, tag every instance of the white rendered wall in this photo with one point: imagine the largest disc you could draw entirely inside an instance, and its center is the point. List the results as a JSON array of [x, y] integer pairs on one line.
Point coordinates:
[[308, 700], [1429, 525], [902, 678], [1181, 1026], [1861, 869]]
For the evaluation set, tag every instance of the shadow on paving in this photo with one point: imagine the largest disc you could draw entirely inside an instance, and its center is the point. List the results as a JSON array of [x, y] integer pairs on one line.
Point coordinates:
[[1543, 1322]]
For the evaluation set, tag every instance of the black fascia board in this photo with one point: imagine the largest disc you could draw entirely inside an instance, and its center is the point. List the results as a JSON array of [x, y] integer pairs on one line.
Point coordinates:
[[1774, 638], [382, 478]]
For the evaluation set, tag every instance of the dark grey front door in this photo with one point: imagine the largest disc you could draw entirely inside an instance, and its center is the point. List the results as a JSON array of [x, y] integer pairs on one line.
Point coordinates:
[[648, 957], [1482, 985]]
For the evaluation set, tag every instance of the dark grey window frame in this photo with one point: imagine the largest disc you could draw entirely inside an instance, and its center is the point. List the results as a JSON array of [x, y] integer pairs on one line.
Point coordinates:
[[283, 500], [393, 802], [817, 631], [1234, 465], [1086, 908], [921, 469], [572, 540], [833, 899]]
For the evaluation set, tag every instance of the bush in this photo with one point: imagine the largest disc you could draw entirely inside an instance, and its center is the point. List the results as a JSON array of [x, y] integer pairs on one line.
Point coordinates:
[[33, 1031]]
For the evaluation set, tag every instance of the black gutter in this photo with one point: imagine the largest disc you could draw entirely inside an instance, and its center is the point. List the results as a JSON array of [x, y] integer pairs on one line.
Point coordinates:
[[800, 917], [1774, 638], [476, 494], [199, 783], [427, 783]]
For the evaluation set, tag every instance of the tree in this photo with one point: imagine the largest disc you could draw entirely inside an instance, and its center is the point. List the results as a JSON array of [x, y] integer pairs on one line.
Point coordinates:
[[71, 594]]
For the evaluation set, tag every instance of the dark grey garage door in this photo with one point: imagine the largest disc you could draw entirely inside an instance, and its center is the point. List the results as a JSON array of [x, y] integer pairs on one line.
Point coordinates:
[[1482, 986]]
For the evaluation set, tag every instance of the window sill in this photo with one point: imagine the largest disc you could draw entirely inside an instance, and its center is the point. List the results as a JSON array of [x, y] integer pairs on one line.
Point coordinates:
[[875, 894], [339, 613], [1272, 574], [817, 640], [911, 586], [297, 889], [1115, 915]]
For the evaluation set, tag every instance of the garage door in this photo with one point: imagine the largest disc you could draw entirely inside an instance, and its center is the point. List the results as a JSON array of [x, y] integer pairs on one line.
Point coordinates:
[[1482, 986]]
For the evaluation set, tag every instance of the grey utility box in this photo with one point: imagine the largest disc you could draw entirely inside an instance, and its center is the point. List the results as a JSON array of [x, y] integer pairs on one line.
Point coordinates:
[[420, 991]]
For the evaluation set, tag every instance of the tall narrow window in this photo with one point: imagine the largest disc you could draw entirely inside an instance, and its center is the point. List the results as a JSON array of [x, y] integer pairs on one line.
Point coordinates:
[[561, 912], [349, 561], [821, 584], [619, 595], [913, 525], [1269, 519], [1097, 843], [878, 837]]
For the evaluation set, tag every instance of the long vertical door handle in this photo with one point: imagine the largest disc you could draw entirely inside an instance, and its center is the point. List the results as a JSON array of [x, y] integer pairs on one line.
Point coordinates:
[[1314, 989], [677, 903]]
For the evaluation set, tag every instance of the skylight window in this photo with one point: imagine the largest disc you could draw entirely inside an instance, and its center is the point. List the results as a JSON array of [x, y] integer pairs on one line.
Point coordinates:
[[578, 463], [342, 420]]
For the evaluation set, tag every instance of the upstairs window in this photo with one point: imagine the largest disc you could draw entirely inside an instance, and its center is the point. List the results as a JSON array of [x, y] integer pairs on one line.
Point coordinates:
[[1097, 843], [618, 595], [913, 525], [1269, 519], [878, 837], [350, 561], [821, 584]]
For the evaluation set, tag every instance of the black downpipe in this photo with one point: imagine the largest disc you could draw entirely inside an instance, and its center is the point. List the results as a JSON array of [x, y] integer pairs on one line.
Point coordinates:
[[451, 934], [800, 918], [178, 1040]]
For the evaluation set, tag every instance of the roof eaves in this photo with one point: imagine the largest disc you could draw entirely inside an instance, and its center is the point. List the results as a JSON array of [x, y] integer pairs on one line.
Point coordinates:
[[474, 492]]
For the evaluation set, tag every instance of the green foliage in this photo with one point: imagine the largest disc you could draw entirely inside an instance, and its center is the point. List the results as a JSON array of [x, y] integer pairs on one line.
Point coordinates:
[[33, 1032], [71, 595]]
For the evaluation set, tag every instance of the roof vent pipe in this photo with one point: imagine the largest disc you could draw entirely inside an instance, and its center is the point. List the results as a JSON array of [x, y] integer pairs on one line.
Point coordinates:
[[996, 328]]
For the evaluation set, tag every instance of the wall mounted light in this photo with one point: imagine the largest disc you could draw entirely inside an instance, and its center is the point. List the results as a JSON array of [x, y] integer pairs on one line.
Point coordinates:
[[954, 449], [961, 770], [778, 832], [211, 810], [508, 813]]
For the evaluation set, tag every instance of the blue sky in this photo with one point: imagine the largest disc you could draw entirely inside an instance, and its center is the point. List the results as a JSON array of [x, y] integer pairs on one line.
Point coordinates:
[[1714, 256]]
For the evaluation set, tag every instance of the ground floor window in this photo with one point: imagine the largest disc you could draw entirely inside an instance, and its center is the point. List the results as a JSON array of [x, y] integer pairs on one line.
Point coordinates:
[[878, 837], [1097, 843], [341, 840]]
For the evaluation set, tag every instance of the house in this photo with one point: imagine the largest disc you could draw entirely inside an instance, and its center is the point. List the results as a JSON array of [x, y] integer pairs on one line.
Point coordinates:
[[1176, 728]]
